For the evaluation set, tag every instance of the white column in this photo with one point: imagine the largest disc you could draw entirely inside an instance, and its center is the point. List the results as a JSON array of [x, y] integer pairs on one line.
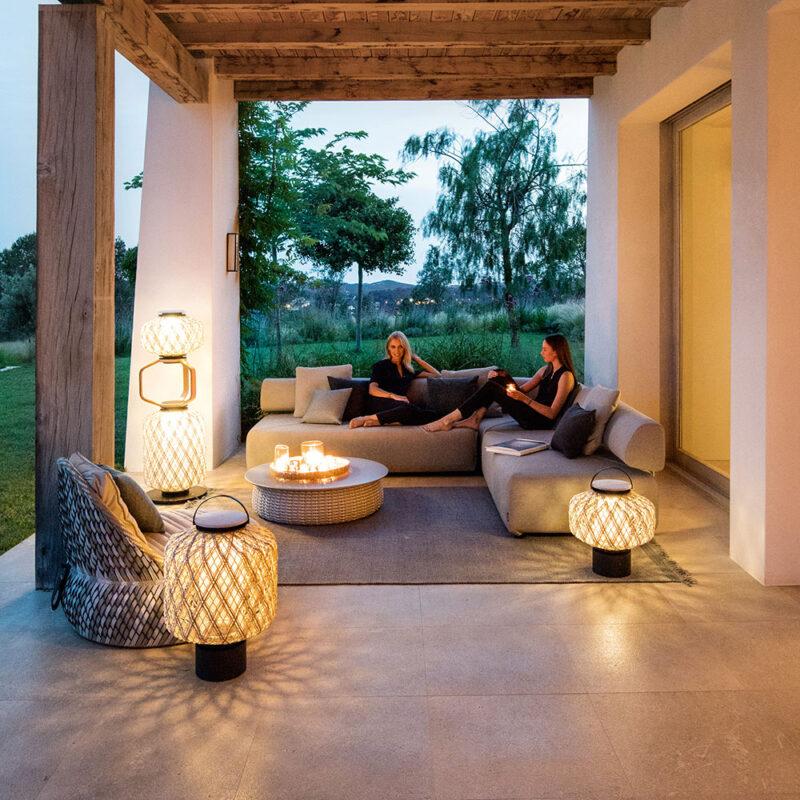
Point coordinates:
[[765, 346], [189, 204]]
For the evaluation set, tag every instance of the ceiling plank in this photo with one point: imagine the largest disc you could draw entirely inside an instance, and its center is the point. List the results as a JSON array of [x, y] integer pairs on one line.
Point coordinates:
[[309, 68], [451, 89], [240, 36], [410, 6], [147, 43]]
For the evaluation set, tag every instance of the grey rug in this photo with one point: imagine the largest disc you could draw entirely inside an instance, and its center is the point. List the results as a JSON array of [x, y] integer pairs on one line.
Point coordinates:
[[445, 535]]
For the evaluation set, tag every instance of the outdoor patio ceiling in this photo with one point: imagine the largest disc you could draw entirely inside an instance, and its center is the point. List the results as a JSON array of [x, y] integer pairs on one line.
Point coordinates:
[[371, 49]]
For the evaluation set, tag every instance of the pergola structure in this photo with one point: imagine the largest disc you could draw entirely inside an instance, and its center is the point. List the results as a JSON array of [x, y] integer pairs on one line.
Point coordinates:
[[304, 49]]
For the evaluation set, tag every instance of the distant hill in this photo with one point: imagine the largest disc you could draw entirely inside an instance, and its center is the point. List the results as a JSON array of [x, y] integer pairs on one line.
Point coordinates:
[[380, 286]]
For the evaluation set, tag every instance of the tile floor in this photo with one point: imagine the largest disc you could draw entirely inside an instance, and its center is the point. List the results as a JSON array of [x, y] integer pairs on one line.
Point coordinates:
[[451, 692]]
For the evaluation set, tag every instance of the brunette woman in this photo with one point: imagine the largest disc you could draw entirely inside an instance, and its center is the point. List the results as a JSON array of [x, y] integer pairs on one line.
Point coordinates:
[[554, 384]]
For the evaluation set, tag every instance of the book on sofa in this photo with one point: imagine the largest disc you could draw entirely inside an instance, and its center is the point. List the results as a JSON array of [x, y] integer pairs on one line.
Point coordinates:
[[517, 447]]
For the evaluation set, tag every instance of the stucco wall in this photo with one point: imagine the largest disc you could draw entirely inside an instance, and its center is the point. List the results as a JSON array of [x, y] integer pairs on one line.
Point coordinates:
[[693, 50], [189, 203]]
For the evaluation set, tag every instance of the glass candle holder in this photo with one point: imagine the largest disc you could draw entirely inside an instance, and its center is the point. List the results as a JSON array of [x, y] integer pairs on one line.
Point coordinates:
[[281, 457], [313, 452]]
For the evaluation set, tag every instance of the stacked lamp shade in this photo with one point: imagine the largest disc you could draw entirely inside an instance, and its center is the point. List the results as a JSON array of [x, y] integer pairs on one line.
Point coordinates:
[[174, 436]]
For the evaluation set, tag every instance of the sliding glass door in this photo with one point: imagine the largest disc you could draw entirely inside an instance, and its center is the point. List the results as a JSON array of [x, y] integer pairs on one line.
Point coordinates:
[[702, 147]]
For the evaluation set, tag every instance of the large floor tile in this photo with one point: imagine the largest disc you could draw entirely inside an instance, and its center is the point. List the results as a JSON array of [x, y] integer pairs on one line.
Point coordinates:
[[762, 655], [526, 604], [339, 749], [22, 607], [34, 738], [734, 597], [159, 746], [348, 662], [646, 657], [17, 564], [486, 660], [697, 743], [522, 747], [699, 552], [337, 607]]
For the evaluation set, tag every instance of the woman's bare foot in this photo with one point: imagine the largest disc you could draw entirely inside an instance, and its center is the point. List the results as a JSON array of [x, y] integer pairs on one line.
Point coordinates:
[[443, 424], [364, 422], [473, 422]]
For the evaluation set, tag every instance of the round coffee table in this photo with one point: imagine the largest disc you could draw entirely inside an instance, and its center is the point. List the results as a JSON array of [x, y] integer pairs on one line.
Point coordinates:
[[357, 495]]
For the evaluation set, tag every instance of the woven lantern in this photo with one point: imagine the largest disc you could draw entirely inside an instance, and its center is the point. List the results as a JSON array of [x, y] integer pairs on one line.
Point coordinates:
[[612, 518], [220, 588], [174, 437]]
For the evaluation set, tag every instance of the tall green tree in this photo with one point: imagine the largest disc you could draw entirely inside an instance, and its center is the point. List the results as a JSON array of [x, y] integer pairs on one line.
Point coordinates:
[[272, 175], [507, 206], [435, 276], [347, 222]]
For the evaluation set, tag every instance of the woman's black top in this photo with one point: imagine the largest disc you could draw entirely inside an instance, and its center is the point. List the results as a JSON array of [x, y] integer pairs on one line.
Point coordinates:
[[390, 379], [548, 387]]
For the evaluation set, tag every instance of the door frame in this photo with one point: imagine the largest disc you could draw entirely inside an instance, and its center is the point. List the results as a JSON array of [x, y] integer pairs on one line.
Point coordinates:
[[670, 166]]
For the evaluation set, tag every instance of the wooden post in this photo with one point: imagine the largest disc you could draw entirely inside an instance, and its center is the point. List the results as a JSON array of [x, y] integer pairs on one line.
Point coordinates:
[[75, 238]]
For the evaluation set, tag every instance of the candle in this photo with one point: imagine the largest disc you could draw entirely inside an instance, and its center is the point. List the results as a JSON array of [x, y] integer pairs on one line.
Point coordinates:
[[313, 452], [281, 457]]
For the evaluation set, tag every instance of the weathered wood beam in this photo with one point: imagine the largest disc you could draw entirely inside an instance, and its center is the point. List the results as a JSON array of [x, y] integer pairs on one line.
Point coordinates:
[[75, 266], [148, 44], [309, 68], [408, 6], [241, 36], [451, 89]]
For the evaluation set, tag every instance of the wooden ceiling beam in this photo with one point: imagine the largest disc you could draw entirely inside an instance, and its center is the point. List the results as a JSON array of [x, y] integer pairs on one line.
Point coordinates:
[[147, 43], [409, 6], [242, 36], [309, 68], [451, 89]]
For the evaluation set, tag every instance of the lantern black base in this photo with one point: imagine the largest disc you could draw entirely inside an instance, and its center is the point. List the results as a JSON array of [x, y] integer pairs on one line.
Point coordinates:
[[173, 498], [611, 563], [220, 662]]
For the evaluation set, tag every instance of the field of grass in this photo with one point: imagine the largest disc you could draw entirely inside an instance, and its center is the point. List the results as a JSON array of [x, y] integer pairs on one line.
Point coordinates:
[[17, 432]]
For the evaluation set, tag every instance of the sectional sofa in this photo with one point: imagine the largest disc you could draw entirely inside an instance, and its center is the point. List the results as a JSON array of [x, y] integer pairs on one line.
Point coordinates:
[[531, 493]]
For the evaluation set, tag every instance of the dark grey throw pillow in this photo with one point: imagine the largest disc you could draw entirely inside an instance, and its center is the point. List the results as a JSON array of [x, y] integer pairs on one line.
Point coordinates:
[[357, 404], [142, 508], [573, 431], [447, 394]]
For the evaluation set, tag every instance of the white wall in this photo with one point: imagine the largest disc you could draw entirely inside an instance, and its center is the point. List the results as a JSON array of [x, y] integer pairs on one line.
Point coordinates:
[[189, 203], [693, 50]]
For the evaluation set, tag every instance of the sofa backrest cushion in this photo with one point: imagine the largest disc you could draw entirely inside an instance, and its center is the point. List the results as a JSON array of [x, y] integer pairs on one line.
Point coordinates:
[[277, 395], [309, 379], [636, 439]]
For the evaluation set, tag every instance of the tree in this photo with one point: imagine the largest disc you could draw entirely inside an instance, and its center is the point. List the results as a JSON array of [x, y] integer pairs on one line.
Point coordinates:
[[271, 196], [18, 288], [504, 209], [348, 224], [435, 276]]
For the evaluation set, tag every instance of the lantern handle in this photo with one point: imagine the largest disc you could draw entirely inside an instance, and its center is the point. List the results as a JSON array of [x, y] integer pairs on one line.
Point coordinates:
[[218, 497], [611, 469]]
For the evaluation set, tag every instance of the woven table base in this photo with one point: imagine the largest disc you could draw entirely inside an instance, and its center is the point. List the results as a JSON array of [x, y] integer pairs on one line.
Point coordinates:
[[318, 507]]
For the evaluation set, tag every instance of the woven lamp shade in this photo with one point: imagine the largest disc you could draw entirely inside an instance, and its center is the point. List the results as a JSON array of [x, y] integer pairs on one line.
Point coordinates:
[[612, 521], [220, 587], [175, 451], [172, 334]]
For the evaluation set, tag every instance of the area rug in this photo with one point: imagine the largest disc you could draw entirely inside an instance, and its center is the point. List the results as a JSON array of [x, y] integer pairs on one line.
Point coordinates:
[[445, 535]]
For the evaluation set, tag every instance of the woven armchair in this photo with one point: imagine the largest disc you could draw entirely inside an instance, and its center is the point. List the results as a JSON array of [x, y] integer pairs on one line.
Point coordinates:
[[112, 592]]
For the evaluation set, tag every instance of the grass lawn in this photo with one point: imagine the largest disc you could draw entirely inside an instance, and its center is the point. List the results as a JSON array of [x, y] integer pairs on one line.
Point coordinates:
[[17, 432], [454, 351]]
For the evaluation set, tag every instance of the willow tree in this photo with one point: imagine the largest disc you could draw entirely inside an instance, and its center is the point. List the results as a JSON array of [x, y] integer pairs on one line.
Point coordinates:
[[506, 205]]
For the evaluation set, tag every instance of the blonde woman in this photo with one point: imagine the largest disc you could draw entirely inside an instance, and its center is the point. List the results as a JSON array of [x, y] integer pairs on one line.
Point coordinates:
[[389, 384]]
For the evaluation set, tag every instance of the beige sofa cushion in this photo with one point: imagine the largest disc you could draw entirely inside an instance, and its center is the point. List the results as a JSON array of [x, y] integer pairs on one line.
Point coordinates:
[[309, 379], [402, 448], [327, 406], [277, 395], [636, 439], [604, 403]]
